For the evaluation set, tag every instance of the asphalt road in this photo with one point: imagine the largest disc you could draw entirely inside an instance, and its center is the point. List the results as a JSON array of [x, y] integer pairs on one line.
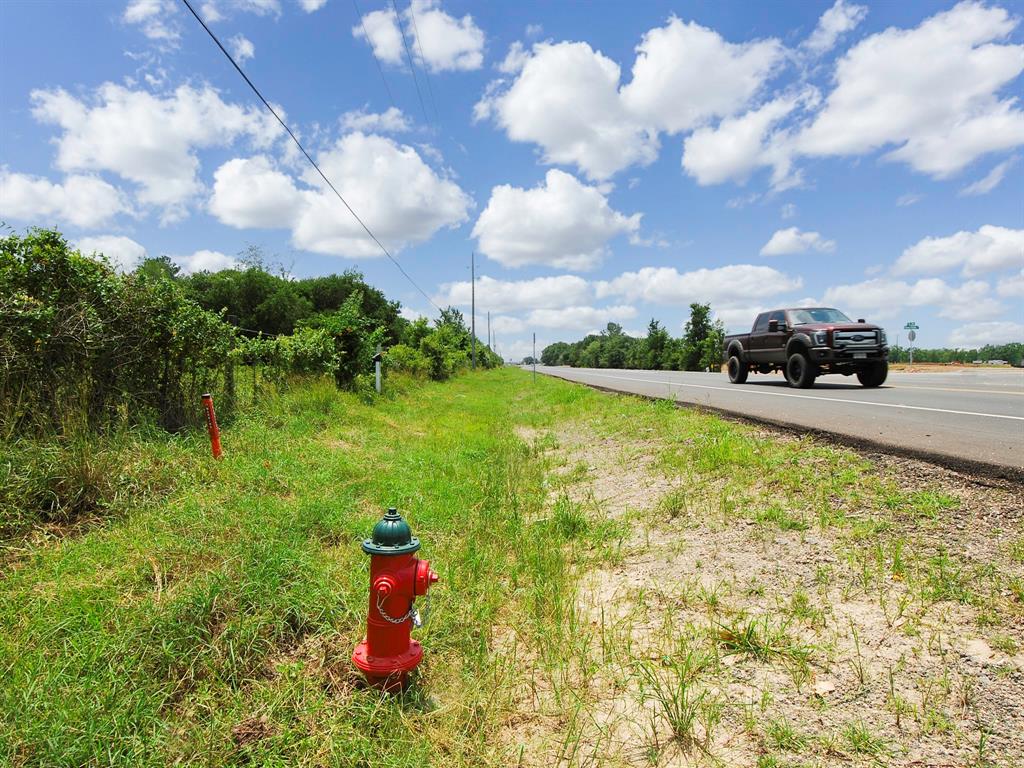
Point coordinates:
[[970, 418]]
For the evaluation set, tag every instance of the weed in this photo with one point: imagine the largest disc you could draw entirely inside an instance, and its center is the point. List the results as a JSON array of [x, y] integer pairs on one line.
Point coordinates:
[[759, 638], [776, 515], [782, 735], [860, 740], [681, 701], [568, 518]]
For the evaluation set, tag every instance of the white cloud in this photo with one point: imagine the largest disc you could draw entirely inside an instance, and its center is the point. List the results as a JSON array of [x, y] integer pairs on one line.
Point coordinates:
[[1012, 286], [309, 6], [156, 18], [579, 318], [392, 120], [739, 145], [975, 335], [908, 199], [85, 201], [147, 139], [931, 90], [732, 284], [685, 74], [507, 324], [566, 97], [446, 43], [251, 192], [835, 22], [515, 59], [792, 240], [211, 13], [241, 48], [400, 198], [411, 314], [123, 252], [437, 40], [566, 100], [560, 223], [884, 298], [788, 211], [534, 30], [518, 295], [380, 30], [204, 260], [991, 180], [990, 248]]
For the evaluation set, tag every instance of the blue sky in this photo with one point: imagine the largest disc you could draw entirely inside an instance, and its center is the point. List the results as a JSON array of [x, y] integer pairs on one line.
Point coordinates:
[[606, 161]]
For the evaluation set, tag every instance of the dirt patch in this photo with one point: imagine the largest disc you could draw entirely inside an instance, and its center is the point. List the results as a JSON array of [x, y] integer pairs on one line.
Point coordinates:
[[724, 635]]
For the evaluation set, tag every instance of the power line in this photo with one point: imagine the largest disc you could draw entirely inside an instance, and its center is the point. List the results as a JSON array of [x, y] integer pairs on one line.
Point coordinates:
[[380, 67], [304, 152], [412, 64], [423, 59]]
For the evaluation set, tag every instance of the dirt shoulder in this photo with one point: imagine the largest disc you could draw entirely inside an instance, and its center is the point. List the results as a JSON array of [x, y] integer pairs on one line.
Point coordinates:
[[775, 601]]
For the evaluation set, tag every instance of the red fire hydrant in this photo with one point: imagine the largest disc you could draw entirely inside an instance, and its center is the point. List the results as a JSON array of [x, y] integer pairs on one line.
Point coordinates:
[[397, 577]]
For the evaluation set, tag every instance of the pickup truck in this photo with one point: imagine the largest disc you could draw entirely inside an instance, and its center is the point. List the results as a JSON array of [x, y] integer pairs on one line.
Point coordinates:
[[806, 342]]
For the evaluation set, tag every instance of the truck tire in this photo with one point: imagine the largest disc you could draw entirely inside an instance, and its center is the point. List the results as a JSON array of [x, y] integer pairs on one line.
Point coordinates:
[[875, 375], [799, 371], [737, 370]]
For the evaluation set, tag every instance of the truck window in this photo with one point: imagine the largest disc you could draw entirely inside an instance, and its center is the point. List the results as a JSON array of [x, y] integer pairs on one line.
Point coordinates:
[[779, 314], [761, 324]]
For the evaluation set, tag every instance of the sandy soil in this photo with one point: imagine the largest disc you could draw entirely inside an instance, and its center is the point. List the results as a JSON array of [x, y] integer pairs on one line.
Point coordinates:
[[839, 645]]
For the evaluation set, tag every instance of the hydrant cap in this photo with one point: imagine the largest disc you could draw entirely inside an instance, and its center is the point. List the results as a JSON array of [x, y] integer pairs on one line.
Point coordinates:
[[391, 536]]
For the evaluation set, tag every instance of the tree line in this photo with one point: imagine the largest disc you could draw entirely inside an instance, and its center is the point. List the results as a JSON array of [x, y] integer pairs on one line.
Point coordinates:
[[1012, 352], [86, 346], [698, 349]]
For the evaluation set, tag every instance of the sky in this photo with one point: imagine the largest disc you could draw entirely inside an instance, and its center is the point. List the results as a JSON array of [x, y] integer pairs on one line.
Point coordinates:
[[605, 161]]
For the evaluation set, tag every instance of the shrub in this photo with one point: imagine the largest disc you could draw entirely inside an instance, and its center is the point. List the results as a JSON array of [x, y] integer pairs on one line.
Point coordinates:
[[83, 343]]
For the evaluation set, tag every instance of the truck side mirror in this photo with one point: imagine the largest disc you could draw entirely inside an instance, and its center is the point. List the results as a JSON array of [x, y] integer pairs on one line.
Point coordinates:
[[861, 320], [773, 326]]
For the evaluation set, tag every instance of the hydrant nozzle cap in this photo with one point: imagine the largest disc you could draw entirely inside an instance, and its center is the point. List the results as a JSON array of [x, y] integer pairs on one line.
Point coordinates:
[[391, 536]]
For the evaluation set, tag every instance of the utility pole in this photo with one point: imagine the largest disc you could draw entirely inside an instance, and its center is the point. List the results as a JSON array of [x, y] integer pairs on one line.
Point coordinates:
[[489, 331], [534, 358], [472, 292]]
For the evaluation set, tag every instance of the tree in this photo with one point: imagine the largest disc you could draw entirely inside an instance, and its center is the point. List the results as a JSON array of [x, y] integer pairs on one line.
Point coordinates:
[[702, 340], [158, 268]]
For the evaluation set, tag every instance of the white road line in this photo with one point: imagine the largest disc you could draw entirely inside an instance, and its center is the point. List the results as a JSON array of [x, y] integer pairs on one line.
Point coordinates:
[[733, 389]]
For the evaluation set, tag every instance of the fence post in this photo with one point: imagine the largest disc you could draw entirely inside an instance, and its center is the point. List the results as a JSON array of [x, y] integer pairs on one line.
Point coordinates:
[[211, 425]]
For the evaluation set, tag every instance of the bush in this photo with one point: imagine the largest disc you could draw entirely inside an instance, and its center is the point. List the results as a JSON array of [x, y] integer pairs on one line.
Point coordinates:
[[83, 343], [404, 358]]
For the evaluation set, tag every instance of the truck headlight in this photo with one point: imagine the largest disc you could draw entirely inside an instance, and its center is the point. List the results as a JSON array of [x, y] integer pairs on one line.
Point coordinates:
[[821, 338], [881, 337]]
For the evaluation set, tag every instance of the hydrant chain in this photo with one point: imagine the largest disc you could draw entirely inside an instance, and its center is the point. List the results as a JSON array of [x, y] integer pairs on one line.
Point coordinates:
[[387, 617]]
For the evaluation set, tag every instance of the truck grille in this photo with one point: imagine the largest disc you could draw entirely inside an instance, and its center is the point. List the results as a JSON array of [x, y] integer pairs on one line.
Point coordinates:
[[855, 339]]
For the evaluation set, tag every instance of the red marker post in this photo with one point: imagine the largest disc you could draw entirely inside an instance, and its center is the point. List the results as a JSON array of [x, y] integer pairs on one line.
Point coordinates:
[[211, 425]]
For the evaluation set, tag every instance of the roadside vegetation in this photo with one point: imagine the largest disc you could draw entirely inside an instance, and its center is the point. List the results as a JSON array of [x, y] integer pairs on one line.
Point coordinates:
[[623, 583], [98, 368]]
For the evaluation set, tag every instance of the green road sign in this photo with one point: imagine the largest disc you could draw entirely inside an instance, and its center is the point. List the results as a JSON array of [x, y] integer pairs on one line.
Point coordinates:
[[912, 326]]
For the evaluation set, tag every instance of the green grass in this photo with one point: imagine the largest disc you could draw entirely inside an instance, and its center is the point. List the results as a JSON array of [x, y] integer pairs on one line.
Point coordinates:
[[185, 603], [151, 635]]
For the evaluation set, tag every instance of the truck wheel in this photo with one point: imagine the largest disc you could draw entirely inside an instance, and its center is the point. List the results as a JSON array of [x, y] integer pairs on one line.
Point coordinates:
[[799, 372], [873, 376], [737, 370]]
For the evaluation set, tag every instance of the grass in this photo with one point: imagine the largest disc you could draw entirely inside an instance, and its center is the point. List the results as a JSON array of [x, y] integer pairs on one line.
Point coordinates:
[[196, 612], [238, 591]]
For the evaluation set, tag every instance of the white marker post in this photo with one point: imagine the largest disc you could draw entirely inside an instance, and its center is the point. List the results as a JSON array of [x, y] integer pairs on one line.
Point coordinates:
[[376, 369]]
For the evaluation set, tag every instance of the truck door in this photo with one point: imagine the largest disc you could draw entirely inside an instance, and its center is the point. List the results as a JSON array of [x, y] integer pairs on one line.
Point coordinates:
[[755, 345], [773, 343]]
